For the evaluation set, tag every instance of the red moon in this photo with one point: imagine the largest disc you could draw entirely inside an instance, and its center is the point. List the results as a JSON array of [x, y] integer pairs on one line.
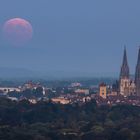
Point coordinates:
[[17, 31]]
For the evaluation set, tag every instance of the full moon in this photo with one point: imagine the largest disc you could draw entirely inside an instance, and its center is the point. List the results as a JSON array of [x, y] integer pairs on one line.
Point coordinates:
[[17, 31]]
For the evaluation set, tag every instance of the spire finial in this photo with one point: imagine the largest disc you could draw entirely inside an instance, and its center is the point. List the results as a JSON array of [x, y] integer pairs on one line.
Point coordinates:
[[125, 57]]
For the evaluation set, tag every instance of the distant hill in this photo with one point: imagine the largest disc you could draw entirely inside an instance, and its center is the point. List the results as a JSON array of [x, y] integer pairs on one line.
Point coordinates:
[[6, 72], [18, 73]]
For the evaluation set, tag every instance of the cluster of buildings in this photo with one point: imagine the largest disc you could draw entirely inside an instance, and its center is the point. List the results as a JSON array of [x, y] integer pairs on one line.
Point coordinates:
[[126, 90], [28, 85]]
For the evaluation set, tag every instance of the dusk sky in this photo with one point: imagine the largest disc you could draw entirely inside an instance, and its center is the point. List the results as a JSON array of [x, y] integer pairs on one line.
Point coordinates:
[[85, 36]]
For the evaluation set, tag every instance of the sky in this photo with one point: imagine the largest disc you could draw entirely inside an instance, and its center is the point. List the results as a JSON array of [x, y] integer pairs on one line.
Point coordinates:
[[73, 36]]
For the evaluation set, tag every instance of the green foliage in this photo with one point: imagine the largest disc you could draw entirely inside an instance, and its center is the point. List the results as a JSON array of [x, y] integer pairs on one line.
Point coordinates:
[[48, 121]]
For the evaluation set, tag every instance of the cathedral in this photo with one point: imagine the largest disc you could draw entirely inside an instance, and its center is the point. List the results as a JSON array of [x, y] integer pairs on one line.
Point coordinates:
[[127, 85]]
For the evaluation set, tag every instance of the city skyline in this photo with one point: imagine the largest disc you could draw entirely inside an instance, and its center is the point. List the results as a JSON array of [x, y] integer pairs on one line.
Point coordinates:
[[72, 40]]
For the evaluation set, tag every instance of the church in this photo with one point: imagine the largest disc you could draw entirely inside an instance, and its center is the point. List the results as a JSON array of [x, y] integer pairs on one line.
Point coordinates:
[[128, 86]]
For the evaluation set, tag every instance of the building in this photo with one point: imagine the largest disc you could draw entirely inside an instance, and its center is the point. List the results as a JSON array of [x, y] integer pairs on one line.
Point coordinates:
[[103, 90], [127, 85], [30, 85], [124, 76], [60, 100], [82, 91], [9, 89], [115, 89], [75, 84]]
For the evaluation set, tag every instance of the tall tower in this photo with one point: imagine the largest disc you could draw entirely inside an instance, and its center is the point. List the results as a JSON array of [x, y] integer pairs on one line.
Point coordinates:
[[124, 76], [137, 75], [103, 90]]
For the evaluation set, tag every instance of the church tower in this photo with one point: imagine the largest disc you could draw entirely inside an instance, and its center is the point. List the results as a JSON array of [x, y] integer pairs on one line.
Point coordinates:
[[124, 76], [137, 75]]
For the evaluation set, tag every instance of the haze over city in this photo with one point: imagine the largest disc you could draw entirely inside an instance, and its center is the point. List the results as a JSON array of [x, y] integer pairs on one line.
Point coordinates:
[[73, 37]]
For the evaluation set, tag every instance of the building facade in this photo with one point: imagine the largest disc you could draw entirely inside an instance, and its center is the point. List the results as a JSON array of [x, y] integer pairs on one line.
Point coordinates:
[[103, 90], [128, 86], [124, 76]]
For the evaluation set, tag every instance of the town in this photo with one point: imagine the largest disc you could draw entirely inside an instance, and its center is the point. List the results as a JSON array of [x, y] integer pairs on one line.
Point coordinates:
[[125, 90]]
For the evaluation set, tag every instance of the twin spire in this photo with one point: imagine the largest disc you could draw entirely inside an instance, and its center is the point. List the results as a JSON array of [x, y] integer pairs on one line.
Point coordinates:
[[125, 68], [124, 74]]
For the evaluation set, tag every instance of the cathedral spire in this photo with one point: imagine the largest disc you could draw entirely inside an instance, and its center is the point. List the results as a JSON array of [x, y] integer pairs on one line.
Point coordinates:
[[138, 61], [125, 58], [137, 75], [124, 68]]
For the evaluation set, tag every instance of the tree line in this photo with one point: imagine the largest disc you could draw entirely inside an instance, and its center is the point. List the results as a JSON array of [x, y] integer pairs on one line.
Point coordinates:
[[48, 121]]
